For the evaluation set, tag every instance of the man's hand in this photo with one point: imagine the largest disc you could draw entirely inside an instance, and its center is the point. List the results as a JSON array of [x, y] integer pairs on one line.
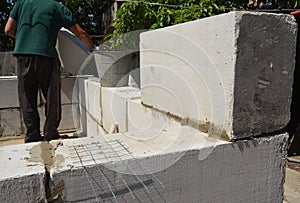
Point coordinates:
[[296, 14], [11, 27], [82, 35]]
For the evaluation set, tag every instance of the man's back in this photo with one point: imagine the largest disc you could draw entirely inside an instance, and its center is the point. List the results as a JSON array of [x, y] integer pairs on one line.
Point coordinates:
[[38, 24], [34, 24]]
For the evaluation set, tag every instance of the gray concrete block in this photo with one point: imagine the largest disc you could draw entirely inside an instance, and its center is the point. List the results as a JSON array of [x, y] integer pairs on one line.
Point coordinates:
[[9, 92], [70, 117], [23, 176], [114, 66], [11, 122], [198, 169], [69, 92], [231, 73], [8, 63]]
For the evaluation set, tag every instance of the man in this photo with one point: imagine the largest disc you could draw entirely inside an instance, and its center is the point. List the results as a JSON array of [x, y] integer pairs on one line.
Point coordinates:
[[35, 25]]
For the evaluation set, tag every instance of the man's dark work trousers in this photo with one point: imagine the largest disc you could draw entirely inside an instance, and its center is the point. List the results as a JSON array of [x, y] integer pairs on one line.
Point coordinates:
[[42, 72]]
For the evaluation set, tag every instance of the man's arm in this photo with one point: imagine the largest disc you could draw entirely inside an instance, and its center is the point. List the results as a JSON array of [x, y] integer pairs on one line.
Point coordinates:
[[82, 35], [296, 14], [11, 27]]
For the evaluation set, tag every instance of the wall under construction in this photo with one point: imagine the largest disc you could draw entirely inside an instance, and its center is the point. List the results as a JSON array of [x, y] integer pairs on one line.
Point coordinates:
[[202, 127]]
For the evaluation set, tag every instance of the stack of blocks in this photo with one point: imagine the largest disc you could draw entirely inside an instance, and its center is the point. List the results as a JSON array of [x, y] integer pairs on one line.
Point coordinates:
[[228, 76]]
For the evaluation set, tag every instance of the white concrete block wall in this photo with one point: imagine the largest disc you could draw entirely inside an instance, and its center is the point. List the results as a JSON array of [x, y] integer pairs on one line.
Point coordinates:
[[9, 92], [114, 106], [90, 110], [232, 72], [22, 177], [247, 171], [140, 117]]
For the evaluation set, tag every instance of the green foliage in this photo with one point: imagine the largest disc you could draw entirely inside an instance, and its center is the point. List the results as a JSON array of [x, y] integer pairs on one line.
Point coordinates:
[[88, 14], [288, 3], [155, 14]]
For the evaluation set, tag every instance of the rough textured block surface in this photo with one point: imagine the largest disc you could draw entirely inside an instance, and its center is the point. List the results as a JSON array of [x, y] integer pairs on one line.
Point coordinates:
[[114, 105], [22, 177], [173, 168], [231, 72]]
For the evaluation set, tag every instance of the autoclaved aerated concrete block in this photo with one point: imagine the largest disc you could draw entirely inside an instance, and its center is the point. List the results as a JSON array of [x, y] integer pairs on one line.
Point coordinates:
[[231, 73], [82, 100], [93, 98], [114, 106], [23, 174], [198, 169]]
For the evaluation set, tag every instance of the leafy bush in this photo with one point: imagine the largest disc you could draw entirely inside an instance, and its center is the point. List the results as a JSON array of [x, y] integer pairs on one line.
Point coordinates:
[[153, 14]]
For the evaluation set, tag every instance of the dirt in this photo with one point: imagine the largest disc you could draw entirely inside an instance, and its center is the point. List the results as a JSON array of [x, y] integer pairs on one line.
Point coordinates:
[[11, 140]]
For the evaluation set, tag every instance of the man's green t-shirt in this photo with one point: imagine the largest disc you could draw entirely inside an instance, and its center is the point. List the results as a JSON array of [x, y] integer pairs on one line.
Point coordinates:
[[38, 24]]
